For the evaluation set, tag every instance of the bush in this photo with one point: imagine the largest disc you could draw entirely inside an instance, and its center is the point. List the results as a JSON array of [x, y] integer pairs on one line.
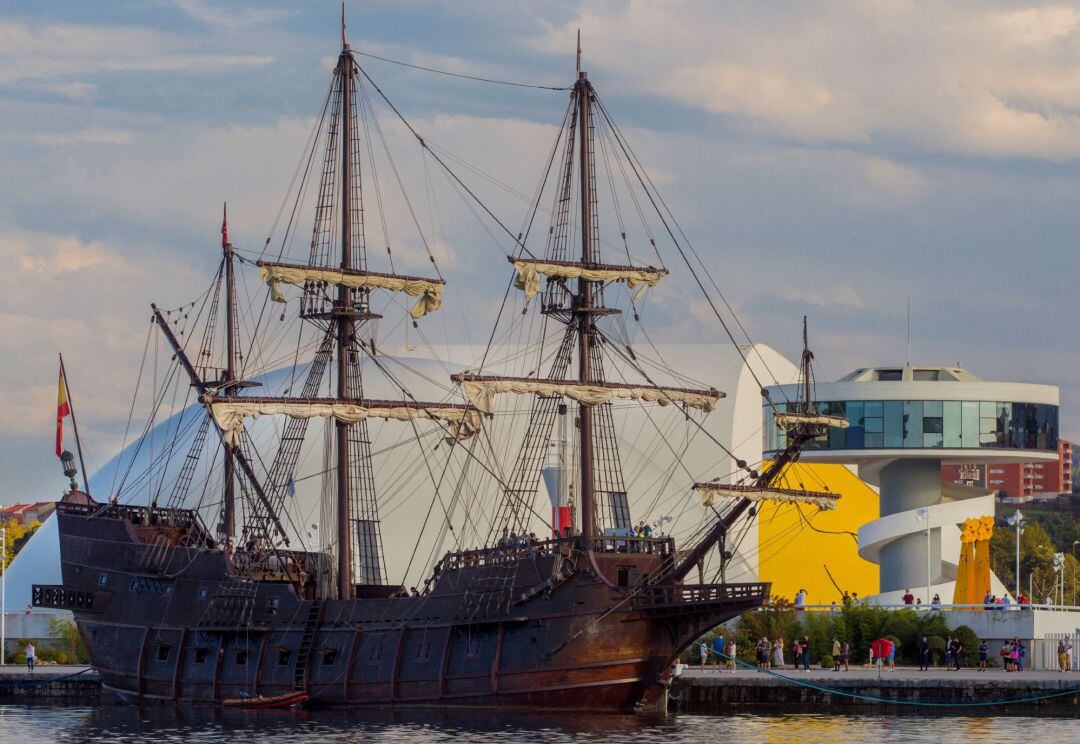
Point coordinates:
[[970, 654], [61, 658], [827, 662], [937, 649]]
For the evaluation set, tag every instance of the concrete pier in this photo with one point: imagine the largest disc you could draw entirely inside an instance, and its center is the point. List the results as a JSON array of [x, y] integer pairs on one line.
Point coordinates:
[[936, 691], [50, 685]]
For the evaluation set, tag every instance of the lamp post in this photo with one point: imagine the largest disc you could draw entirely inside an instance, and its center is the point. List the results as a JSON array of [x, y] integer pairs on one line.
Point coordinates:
[[1015, 521], [923, 514], [1075, 543], [3, 594]]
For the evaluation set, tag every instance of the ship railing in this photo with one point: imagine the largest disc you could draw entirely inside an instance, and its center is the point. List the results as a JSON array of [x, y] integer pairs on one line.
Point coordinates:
[[690, 594], [140, 516], [274, 565], [504, 554], [662, 546]]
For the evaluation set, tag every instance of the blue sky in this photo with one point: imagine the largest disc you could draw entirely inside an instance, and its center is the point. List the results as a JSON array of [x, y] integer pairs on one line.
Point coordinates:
[[827, 158]]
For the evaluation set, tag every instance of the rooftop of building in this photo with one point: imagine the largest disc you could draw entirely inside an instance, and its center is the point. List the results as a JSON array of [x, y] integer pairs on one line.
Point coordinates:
[[910, 374]]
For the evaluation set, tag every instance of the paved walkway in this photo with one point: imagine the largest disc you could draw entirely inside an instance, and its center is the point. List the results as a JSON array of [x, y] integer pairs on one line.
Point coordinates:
[[45, 671]]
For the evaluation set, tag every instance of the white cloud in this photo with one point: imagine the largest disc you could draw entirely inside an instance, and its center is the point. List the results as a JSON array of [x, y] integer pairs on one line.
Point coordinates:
[[36, 51], [965, 78], [84, 299]]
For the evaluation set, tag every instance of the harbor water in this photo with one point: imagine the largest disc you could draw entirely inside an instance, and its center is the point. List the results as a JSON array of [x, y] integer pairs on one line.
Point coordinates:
[[117, 724]]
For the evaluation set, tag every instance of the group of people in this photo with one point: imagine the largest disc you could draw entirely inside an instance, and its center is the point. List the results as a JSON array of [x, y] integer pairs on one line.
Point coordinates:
[[511, 541], [723, 651], [1012, 655], [954, 649]]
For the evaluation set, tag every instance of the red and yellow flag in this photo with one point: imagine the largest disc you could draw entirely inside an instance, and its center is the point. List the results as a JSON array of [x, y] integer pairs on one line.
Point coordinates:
[[63, 409]]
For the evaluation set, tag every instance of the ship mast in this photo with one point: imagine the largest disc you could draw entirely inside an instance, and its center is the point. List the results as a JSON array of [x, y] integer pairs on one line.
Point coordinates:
[[584, 308], [228, 507], [345, 327]]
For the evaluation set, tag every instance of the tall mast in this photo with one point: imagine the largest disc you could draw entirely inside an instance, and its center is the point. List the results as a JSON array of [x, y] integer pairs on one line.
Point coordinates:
[[807, 355], [228, 508], [584, 310], [344, 325]]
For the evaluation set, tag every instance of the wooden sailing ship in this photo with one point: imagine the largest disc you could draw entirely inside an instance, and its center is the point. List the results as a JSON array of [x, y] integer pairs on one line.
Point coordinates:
[[590, 616]]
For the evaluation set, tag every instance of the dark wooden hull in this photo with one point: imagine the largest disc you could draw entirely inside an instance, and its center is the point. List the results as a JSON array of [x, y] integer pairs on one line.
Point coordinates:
[[482, 637]]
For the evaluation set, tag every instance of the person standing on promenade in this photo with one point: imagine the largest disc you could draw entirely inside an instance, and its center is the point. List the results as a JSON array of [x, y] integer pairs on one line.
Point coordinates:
[[835, 655], [31, 657], [703, 649], [909, 598], [806, 653], [948, 652], [719, 646], [892, 656], [957, 647], [732, 650], [796, 653], [924, 654], [778, 653], [984, 655], [1021, 653], [1063, 656], [1006, 656], [845, 651]]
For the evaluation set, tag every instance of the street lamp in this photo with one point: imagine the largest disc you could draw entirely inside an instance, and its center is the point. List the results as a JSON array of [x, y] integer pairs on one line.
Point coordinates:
[[923, 515], [1015, 521], [3, 594]]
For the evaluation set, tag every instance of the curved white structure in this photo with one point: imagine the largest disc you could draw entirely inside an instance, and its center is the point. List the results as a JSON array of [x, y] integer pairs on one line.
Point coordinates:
[[905, 422], [959, 503]]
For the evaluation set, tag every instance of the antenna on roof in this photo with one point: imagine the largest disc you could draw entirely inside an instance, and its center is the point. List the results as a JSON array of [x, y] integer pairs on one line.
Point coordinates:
[[907, 362]]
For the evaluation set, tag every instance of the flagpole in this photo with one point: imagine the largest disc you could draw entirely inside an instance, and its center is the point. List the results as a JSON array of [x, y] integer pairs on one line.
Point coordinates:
[[75, 427]]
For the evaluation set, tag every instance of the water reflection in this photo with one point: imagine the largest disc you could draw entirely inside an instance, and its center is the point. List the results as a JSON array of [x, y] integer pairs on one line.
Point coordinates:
[[212, 726]]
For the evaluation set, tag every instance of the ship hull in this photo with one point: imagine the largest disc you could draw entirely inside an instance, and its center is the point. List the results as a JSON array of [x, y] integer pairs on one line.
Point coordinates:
[[522, 632]]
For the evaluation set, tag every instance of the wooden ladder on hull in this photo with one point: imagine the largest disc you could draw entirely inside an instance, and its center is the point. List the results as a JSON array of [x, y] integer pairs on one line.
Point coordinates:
[[307, 645]]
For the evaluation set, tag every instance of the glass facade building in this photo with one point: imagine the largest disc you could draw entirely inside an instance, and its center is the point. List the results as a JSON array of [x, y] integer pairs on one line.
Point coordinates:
[[929, 424]]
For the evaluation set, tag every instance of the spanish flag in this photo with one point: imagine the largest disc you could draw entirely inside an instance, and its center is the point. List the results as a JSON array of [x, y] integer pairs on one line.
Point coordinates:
[[63, 410]]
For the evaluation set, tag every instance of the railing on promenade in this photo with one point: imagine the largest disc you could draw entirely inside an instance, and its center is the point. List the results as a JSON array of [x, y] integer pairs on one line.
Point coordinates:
[[951, 607]]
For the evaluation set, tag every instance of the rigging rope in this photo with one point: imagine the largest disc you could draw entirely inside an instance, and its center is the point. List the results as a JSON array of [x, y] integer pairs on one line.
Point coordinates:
[[475, 78]]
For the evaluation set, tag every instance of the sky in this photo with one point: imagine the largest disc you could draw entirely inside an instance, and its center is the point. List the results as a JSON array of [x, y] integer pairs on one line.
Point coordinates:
[[832, 159]]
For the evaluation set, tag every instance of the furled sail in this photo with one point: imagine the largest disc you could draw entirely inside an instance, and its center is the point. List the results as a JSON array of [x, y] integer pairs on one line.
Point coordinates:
[[711, 493], [481, 390], [229, 413], [819, 419], [428, 290], [635, 277]]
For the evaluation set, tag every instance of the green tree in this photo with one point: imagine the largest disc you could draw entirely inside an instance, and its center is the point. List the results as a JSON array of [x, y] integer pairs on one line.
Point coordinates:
[[69, 640]]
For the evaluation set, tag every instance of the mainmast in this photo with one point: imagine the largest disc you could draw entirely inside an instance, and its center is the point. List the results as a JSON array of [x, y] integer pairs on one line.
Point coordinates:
[[228, 507], [584, 306], [345, 326]]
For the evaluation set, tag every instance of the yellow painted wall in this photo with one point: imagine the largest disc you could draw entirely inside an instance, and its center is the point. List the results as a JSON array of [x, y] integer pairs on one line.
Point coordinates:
[[793, 556]]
